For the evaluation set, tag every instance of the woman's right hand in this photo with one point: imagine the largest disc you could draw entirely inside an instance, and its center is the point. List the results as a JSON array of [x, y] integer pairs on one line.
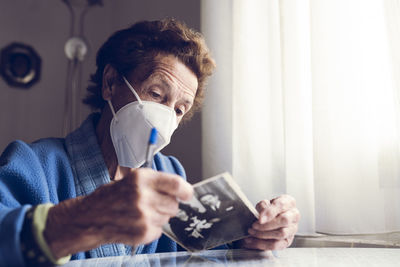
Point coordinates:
[[130, 211]]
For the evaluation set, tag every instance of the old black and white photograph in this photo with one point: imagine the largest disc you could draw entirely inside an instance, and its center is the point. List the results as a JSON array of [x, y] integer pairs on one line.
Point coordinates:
[[218, 213]]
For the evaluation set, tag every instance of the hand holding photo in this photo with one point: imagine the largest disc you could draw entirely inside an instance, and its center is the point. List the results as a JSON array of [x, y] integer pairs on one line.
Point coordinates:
[[219, 213]]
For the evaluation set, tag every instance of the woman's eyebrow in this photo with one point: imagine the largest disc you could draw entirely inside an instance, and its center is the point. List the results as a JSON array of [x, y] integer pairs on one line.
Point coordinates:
[[167, 85], [188, 102], [164, 82]]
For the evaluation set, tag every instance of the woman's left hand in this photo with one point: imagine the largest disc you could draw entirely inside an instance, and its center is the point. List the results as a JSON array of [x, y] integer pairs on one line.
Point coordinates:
[[276, 226]]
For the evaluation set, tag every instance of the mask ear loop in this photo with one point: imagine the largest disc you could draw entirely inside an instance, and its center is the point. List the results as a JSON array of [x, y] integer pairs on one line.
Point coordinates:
[[133, 90], [112, 110]]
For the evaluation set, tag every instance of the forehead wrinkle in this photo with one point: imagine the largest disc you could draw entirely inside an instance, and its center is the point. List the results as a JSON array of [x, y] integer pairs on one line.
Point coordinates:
[[162, 70], [165, 80], [162, 79]]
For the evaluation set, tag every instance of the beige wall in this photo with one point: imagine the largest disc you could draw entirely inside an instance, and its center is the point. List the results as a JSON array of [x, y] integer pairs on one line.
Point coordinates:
[[44, 24]]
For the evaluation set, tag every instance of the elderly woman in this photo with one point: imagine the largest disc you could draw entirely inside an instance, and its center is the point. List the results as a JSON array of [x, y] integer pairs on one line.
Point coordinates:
[[85, 196]]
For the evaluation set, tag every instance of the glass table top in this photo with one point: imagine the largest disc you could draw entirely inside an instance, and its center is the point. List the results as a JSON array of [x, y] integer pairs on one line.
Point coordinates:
[[240, 257]]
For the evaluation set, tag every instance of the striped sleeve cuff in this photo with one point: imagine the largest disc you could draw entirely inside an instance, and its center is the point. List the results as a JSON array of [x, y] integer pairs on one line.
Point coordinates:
[[33, 244]]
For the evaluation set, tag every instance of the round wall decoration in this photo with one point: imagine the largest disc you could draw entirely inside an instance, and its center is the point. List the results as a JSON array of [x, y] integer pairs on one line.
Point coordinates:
[[20, 65]]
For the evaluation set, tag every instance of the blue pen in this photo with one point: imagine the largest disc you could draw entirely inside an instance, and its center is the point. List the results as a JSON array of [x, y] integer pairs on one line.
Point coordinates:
[[149, 161], [150, 148]]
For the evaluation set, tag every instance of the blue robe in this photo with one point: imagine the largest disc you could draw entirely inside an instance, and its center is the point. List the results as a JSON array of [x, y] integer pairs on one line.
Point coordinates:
[[56, 169]]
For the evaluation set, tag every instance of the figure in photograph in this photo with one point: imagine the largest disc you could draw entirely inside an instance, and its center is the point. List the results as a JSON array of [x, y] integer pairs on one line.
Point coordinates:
[[213, 204], [189, 227]]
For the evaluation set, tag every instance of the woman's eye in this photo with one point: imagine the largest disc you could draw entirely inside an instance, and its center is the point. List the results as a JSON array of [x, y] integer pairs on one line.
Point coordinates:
[[179, 112], [155, 94]]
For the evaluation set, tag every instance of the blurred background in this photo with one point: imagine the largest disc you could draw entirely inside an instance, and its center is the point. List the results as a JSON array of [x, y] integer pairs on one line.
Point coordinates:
[[45, 25], [305, 99]]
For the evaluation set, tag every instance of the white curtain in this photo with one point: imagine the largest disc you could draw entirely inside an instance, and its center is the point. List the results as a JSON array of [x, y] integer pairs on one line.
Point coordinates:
[[305, 101]]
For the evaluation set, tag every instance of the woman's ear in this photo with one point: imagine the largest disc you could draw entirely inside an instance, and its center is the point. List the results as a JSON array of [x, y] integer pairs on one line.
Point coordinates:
[[110, 76]]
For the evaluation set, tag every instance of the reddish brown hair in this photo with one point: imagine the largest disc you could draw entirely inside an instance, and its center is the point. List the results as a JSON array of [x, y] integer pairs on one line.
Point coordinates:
[[137, 45]]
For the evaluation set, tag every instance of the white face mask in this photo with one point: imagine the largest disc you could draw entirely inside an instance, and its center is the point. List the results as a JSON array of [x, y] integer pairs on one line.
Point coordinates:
[[131, 126]]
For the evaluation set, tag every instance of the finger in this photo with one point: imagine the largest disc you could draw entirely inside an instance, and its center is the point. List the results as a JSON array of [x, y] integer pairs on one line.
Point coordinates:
[[289, 241], [268, 211], [284, 203], [132, 234], [124, 170], [262, 207], [278, 205], [174, 185], [281, 233], [159, 219], [261, 244], [282, 220], [165, 204], [151, 233]]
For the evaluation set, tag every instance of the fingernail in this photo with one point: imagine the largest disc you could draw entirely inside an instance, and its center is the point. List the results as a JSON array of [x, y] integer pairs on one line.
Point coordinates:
[[264, 204], [251, 231]]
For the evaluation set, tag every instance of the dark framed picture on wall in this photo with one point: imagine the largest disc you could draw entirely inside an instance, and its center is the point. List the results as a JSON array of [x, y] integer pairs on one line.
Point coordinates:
[[20, 65]]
